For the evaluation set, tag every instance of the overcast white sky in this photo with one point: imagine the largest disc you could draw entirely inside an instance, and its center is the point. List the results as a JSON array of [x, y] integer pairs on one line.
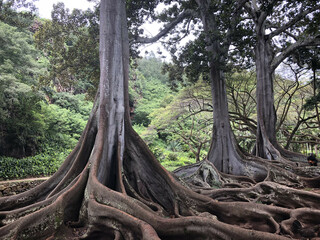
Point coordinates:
[[45, 6]]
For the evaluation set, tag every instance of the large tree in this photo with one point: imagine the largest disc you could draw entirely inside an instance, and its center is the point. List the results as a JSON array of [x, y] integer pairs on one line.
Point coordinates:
[[223, 152], [111, 186], [276, 38], [208, 55]]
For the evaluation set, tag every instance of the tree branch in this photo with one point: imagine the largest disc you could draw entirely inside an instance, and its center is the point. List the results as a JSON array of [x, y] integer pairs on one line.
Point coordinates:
[[293, 21], [187, 13], [234, 22], [287, 51], [255, 12], [250, 10]]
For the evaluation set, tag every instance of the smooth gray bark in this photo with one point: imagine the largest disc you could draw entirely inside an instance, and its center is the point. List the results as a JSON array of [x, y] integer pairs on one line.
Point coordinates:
[[266, 127], [223, 153], [111, 107], [266, 62]]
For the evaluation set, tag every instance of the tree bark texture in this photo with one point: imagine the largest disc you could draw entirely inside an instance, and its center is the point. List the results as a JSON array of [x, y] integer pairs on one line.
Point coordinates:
[[267, 146], [266, 135], [223, 152], [112, 187]]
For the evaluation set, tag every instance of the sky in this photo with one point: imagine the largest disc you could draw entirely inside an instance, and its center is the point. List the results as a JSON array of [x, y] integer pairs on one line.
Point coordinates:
[[45, 6]]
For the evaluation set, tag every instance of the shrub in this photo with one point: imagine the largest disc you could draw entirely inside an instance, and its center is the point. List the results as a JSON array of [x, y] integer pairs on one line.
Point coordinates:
[[172, 157], [65, 125], [43, 164]]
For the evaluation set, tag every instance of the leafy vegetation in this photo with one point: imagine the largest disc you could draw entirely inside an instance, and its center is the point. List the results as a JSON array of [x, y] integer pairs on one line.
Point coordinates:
[[43, 164], [148, 89], [20, 121], [70, 43], [35, 123]]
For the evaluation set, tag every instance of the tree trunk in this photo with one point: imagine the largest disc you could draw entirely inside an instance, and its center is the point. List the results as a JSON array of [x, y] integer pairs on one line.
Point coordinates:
[[315, 87], [223, 152], [111, 106], [266, 135], [267, 146]]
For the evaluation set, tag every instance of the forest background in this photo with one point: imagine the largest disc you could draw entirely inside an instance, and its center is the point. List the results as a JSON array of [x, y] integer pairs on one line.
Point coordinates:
[[49, 75]]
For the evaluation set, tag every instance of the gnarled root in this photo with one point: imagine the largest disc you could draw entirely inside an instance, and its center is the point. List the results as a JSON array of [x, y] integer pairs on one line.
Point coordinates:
[[145, 201]]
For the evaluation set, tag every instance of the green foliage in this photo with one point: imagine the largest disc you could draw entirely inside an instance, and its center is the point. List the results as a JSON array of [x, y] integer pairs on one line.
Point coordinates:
[[43, 164], [312, 102], [190, 64], [29, 125], [151, 95], [10, 12], [185, 124], [25, 122], [20, 121], [175, 160], [18, 56], [56, 130], [74, 103], [151, 68], [172, 157], [64, 125], [168, 158], [148, 90], [37, 124], [70, 43], [170, 154]]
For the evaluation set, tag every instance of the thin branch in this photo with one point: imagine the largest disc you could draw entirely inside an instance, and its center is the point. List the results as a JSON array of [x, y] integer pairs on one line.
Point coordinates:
[[249, 10], [234, 22], [288, 50], [293, 21], [291, 35], [255, 5], [166, 29]]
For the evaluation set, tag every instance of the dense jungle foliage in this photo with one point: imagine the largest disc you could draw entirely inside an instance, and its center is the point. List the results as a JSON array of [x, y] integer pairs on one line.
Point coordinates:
[[46, 95]]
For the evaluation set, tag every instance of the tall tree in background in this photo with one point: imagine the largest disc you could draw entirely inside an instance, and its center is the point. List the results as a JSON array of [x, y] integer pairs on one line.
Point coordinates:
[[12, 17], [223, 152], [280, 29], [208, 55]]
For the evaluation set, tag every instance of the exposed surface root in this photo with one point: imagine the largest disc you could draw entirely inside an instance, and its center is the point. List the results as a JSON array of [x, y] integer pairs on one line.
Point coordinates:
[[204, 174], [144, 201]]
